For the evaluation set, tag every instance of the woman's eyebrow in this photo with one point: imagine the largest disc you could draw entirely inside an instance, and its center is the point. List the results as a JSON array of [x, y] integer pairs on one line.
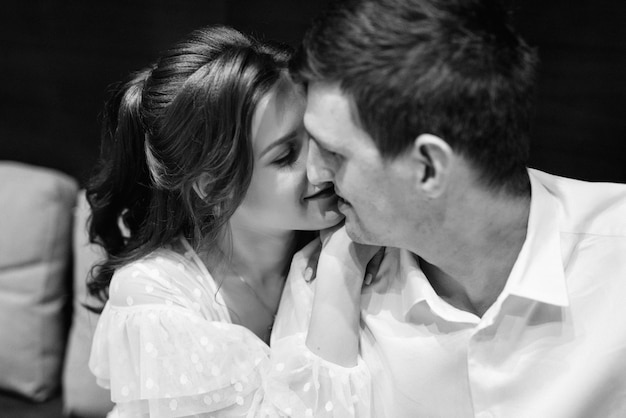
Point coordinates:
[[283, 139]]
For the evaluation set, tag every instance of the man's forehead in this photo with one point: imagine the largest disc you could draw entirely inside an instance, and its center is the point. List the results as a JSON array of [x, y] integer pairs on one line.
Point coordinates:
[[328, 103]]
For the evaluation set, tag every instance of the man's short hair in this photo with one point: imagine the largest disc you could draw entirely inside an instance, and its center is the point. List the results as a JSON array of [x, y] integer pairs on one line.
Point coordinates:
[[451, 68]]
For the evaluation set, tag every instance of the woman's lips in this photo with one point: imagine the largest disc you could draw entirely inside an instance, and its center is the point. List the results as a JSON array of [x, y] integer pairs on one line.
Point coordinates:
[[322, 194]]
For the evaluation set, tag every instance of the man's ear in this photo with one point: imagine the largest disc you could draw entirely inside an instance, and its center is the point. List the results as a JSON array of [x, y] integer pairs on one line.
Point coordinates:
[[201, 185], [433, 156]]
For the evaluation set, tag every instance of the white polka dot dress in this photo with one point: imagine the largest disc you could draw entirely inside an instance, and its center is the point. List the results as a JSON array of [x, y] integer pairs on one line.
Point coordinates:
[[165, 347]]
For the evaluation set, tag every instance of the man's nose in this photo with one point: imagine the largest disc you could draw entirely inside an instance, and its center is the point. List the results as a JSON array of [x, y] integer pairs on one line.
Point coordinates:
[[317, 170]]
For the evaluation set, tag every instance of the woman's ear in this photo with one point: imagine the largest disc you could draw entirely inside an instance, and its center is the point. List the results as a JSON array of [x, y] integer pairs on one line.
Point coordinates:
[[201, 185], [434, 159]]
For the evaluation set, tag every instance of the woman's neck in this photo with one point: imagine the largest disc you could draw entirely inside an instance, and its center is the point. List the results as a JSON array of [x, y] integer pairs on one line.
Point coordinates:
[[250, 267], [258, 255]]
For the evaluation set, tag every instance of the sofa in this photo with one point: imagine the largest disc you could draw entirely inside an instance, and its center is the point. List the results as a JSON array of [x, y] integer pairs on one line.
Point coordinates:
[[45, 330]]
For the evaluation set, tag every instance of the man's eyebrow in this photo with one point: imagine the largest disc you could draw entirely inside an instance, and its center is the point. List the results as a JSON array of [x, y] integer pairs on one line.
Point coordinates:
[[285, 138]]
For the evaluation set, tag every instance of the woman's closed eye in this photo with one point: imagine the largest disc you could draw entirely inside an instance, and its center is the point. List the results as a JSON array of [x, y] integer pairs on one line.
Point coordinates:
[[288, 156]]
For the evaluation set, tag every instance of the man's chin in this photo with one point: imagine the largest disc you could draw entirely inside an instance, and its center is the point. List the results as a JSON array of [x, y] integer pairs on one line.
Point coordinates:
[[355, 232]]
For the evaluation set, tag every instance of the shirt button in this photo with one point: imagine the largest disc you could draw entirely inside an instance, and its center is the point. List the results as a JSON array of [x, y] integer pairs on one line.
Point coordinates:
[[485, 414]]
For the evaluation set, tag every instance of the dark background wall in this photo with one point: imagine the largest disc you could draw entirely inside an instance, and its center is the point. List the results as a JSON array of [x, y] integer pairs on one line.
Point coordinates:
[[57, 58], [580, 124]]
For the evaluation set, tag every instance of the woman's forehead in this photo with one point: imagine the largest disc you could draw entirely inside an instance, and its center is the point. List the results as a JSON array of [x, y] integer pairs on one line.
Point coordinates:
[[277, 114]]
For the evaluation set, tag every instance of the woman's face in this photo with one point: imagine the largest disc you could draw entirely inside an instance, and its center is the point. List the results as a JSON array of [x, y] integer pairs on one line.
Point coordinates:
[[280, 197]]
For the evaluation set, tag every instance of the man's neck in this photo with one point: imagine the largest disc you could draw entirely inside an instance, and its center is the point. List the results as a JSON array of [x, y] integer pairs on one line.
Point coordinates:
[[476, 253]]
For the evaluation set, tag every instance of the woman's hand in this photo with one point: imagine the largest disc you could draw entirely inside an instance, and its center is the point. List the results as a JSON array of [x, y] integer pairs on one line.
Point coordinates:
[[341, 270], [340, 255]]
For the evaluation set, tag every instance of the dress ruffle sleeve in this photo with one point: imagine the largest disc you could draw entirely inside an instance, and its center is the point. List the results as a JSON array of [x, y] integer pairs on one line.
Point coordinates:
[[301, 383], [166, 360], [169, 362]]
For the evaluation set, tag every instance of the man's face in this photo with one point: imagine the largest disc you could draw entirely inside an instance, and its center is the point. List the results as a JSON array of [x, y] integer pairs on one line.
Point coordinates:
[[374, 193]]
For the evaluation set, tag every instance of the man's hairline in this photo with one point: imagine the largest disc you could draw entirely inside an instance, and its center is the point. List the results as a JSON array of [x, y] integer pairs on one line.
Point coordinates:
[[355, 116]]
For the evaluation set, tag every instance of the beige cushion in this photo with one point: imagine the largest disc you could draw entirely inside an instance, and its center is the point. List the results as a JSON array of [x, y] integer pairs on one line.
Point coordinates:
[[35, 232], [81, 396]]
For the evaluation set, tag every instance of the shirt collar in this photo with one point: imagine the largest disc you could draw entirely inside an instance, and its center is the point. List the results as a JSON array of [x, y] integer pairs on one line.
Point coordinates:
[[402, 283], [538, 273], [416, 288], [415, 285]]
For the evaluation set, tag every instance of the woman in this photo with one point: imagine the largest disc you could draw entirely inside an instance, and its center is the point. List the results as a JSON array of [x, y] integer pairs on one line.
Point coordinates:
[[198, 199]]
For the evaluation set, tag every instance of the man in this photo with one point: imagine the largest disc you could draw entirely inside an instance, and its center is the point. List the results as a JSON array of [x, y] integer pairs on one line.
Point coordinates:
[[505, 295]]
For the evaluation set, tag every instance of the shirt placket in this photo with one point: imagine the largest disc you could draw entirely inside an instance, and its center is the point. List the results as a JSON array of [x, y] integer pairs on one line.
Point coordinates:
[[483, 372]]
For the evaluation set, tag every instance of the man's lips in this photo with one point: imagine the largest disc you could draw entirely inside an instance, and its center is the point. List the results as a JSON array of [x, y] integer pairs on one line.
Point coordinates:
[[324, 193]]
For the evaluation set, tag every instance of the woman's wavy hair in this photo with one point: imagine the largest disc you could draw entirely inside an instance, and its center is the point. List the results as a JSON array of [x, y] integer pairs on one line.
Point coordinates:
[[187, 115]]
